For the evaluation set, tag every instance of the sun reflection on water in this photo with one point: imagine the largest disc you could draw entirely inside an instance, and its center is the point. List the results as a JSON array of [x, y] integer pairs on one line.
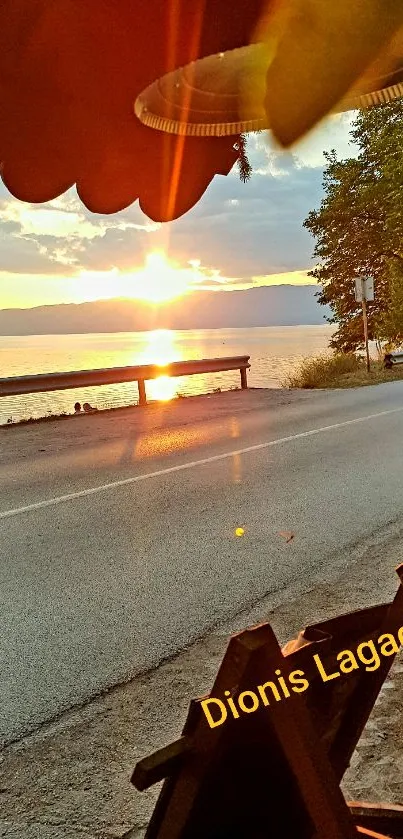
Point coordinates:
[[161, 349]]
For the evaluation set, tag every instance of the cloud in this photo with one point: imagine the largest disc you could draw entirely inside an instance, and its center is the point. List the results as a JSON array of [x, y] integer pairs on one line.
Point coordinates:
[[40, 221], [333, 133], [240, 230], [51, 238], [260, 234], [237, 231], [24, 256]]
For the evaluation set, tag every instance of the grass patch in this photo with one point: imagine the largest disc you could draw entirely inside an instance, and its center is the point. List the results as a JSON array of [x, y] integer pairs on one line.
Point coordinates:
[[340, 370]]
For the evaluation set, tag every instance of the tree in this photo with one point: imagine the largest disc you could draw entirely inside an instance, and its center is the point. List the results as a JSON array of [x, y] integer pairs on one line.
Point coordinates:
[[244, 167], [391, 322], [359, 230]]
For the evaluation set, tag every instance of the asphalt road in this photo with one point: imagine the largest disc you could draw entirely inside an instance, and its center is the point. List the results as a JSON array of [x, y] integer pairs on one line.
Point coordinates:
[[117, 553]]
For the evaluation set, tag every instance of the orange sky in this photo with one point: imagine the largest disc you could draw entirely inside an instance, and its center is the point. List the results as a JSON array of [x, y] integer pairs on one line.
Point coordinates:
[[25, 291], [237, 236]]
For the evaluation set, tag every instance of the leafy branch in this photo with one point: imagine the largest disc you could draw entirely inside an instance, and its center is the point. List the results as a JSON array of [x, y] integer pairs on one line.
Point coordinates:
[[244, 167]]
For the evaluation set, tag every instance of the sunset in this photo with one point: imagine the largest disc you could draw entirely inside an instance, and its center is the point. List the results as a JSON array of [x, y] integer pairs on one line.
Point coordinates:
[[161, 348], [201, 419], [240, 235], [239, 259], [158, 281]]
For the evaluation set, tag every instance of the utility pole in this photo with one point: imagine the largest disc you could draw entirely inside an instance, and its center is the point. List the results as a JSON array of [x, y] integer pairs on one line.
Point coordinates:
[[365, 319], [364, 290]]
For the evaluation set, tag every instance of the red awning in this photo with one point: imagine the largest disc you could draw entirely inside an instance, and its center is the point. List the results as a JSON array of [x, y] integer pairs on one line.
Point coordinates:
[[70, 71]]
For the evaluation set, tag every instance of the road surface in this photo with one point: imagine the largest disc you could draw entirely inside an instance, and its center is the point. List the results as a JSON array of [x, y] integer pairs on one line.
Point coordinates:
[[119, 540]]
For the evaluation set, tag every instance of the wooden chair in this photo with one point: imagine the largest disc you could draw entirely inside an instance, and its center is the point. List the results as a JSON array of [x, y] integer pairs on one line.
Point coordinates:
[[276, 771]]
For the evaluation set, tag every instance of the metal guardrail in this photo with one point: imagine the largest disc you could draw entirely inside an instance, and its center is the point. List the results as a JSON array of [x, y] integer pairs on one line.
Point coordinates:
[[43, 382], [392, 358]]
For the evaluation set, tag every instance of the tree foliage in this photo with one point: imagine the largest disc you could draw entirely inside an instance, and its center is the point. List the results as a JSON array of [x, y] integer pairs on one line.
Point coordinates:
[[244, 166], [358, 230]]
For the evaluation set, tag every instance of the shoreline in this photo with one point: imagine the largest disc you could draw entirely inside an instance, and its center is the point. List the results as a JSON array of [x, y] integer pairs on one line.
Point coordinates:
[[358, 379], [350, 383], [150, 403]]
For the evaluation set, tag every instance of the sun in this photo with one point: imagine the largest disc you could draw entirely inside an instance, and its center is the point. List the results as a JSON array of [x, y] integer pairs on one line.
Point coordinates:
[[159, 280]]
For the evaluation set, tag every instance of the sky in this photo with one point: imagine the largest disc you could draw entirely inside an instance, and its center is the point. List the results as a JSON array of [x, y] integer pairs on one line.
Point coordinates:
[[238, 235]]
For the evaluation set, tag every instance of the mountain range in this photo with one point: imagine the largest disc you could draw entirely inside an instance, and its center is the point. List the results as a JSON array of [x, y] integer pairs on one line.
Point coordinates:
[[283, 305]]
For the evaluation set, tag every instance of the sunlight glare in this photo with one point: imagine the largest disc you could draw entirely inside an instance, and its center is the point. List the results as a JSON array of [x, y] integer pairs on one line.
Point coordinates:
[[160, 280], [161, 349], [163, 389]]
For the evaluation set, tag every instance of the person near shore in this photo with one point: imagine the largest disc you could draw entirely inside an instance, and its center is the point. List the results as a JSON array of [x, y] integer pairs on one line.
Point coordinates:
[[77, 408], [88, 408]]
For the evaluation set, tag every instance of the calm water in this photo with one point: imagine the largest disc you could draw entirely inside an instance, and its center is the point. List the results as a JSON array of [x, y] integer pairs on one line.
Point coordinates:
[[273, 351]]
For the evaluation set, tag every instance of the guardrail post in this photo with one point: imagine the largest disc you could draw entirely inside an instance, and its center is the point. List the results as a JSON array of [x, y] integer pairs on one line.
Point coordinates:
[[142, 392], [244, 380]]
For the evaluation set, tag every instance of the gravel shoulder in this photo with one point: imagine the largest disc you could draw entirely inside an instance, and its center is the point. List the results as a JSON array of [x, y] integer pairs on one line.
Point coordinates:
[[61, 435], [71, 777]]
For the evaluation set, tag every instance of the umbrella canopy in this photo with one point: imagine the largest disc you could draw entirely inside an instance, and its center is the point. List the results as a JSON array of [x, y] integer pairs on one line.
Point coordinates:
[[224, 94], [70, 71], [309, 58]]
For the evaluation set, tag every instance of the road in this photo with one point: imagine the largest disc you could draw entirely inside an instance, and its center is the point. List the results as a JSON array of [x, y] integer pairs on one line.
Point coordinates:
[[119, 540]]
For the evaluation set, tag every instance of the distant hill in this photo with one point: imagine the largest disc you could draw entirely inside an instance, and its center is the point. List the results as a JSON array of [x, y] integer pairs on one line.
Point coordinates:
[[282, 305]]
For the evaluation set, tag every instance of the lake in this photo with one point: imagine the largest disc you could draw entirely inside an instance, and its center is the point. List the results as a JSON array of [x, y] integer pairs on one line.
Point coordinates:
[[274, 351]]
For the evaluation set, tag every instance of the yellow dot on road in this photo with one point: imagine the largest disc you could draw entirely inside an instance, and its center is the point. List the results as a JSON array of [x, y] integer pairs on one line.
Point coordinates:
[[239, 531]]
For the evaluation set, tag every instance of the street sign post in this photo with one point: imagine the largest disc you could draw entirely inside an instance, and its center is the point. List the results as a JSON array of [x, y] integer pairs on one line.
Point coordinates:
[[364, 289], [358, 289], [369, 288], [364, 292]]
